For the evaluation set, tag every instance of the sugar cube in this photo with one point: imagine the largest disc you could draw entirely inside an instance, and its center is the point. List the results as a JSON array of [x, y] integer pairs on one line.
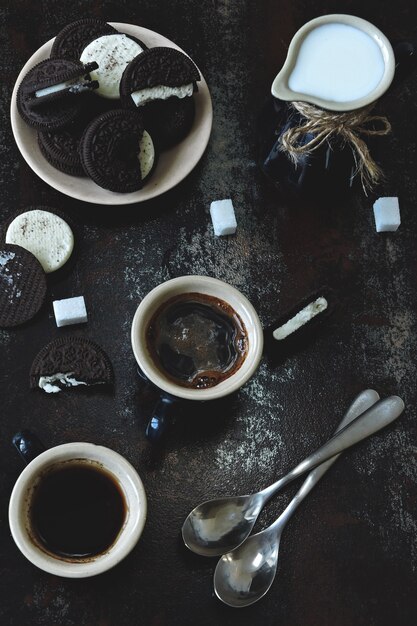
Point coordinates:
[[387, 214], [223, 217], [70, 311]]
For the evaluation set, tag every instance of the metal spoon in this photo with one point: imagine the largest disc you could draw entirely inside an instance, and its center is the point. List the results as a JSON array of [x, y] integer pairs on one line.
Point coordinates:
[[218, 526], [244, 575]]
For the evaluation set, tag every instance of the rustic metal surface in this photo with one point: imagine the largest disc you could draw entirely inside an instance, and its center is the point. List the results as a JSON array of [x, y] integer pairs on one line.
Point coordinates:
[[349, 557]]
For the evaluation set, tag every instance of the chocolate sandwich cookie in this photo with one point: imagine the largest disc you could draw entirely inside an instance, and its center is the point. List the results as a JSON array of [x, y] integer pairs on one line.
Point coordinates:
[[112, 53], [117, 152], [50, 95], [22, 286], [299, 326], [44, 233], [70, 362], [158, 74], [71, 40], [162, 82]]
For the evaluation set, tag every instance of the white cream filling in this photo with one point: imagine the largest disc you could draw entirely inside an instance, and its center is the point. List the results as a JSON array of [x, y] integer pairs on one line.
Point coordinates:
[[304, 316], [45, 382], [54, 88], [161, 92], [146, 155], [112, 53], [47, 236]]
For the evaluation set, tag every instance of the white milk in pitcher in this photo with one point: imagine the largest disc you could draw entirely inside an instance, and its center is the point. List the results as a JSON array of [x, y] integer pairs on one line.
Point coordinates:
[[337, 62]]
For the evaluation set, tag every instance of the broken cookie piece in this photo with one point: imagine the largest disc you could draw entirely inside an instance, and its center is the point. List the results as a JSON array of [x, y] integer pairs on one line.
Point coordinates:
[[70, 362]]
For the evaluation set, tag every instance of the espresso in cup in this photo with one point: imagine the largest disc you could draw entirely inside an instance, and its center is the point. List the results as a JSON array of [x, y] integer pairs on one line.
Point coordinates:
[[197, 340], [77, 510]]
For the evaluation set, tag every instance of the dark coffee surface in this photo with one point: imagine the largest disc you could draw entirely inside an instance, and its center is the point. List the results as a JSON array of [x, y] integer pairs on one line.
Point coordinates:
[[348, 557], [197, 340], [77, 511]]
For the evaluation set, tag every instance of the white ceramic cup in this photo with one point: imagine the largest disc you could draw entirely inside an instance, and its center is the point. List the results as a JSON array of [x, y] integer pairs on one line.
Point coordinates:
[[122, 472], [208, 286]]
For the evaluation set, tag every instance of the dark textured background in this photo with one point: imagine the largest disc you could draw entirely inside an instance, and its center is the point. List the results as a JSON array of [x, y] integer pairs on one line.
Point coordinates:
[[349, 556]]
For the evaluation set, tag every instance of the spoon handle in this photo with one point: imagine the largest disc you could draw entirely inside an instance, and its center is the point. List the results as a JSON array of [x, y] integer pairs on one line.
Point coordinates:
[[361, 403], [378, 416]]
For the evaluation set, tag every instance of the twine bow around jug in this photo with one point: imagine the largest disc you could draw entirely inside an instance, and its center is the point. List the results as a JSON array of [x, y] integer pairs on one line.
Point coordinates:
[[349, 127]]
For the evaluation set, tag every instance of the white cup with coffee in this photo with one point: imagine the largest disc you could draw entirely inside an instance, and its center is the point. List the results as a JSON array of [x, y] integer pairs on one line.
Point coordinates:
[[77, 510], [196, 338]]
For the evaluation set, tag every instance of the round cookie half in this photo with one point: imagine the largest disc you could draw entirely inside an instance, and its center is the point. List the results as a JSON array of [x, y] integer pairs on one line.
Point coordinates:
[[72, 39], [46, 235], [116, 151], [158, 74], [112, 53], [70, 362], [22, 286]]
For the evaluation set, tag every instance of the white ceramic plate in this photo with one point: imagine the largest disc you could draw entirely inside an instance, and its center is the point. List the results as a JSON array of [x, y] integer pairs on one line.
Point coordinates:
[[173, 165]]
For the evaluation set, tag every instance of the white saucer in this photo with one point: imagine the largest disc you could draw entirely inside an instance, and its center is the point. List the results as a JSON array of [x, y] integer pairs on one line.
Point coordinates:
[[173, 165]]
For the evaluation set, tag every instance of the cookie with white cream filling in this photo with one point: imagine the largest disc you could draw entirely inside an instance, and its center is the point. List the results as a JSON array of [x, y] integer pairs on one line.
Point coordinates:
[[70, 362], [161, 83], [158, 74], [50, 95], [300, 325], [117, 152]]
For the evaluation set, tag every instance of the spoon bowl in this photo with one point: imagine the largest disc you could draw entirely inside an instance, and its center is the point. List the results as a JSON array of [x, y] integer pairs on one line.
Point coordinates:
[[245, 575], [217, 526]]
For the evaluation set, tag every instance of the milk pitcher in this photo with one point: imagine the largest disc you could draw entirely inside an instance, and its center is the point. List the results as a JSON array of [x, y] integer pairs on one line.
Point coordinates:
[[319, 132]]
